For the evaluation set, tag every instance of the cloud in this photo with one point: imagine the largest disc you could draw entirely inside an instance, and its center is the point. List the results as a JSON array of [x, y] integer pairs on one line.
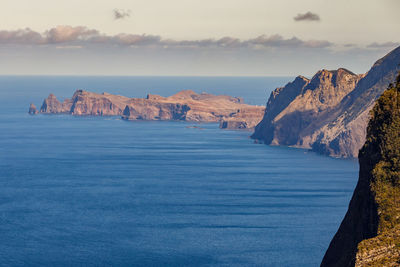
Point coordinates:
[[23, 36], [65, 34], [278, 41], [309, 16], [81, 36], [383, 45], [121, 14]]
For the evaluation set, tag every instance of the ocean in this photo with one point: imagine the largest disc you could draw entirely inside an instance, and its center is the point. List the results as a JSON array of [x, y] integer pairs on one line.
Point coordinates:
[[101, 191]]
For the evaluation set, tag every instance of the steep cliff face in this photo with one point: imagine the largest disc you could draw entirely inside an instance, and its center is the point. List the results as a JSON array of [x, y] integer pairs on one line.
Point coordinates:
[[345, 130], [291, 110], [329, 113], [185, 105], [279, 99], [370, 232], [325, 90], [86, 103], [52, 105]]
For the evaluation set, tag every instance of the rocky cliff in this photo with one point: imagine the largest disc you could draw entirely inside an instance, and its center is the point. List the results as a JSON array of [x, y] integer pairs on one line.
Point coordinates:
[[187, 105], [329, 112], [242, 119], [86, 103], [370, 232]]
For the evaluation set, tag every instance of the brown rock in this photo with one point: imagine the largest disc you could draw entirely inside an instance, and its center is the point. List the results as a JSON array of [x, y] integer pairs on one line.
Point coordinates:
[[185, 105], [242, 119], [328, 113], [52, 105]]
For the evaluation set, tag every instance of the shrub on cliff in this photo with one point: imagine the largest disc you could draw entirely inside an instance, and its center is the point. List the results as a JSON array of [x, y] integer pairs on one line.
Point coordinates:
[[382, 148]]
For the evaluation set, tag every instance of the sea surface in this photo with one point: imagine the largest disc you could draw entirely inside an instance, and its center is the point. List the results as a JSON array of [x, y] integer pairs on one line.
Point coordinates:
[[100, 191]]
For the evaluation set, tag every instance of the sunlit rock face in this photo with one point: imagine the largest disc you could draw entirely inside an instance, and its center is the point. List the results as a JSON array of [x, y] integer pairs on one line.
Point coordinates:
[[328, 113]]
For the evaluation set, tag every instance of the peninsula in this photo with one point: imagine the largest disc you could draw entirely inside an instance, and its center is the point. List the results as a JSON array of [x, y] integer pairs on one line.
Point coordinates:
[[186, 105]]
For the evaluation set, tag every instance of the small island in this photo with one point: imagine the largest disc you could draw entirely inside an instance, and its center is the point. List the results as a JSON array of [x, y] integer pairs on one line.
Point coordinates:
[[187, 105]]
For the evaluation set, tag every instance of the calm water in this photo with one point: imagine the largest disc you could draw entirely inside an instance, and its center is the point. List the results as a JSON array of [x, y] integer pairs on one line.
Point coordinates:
[[102, 191]]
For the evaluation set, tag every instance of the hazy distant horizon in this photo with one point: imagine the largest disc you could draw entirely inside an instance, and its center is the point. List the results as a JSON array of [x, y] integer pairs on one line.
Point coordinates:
[[207, 38]]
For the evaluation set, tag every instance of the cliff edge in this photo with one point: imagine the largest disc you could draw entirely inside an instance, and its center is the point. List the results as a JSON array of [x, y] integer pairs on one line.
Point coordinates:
[[369, 234]]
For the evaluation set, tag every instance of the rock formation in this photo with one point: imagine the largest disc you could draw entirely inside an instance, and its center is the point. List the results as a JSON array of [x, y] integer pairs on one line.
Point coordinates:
[[185, 105], [328, 113], [242, 119], [369, 234], [32, 109], [86, 103]]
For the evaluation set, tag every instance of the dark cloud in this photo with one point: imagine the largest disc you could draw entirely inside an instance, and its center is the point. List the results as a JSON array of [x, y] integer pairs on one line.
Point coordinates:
[[121, 14], [383, 45], [309, 16], [82, 36]]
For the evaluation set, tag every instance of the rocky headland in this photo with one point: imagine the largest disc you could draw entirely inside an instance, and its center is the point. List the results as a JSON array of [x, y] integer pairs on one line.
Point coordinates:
[[369, 234], [327, 113], [186, 105]]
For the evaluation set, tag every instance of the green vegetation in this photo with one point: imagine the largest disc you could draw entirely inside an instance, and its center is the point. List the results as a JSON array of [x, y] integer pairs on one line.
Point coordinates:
[[382, 149]]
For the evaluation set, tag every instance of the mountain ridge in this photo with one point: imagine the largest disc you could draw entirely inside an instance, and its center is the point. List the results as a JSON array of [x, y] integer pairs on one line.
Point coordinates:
[[329, 112]]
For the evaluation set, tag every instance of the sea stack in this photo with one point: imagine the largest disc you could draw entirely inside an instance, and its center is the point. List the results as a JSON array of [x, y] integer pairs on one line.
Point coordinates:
[[33, 110]]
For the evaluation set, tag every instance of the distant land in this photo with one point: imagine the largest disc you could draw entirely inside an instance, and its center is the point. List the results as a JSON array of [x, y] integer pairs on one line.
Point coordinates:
[[186, 105], [328, 113]]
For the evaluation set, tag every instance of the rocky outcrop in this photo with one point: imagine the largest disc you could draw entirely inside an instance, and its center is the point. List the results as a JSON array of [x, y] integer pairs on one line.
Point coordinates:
[[242, 119], [328, 113], [146, 110], [185, 105], [32, 109], [369, 234], [86, 103]]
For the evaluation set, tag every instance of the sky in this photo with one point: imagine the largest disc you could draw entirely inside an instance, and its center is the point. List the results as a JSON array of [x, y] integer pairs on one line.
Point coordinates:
[[194, 37]]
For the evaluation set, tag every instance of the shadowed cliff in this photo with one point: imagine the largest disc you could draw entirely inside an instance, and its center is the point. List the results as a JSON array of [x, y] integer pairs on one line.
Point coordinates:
[[369, 234]]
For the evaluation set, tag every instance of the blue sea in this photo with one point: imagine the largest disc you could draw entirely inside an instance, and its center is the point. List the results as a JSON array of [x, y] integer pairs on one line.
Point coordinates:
[[100, 191]]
